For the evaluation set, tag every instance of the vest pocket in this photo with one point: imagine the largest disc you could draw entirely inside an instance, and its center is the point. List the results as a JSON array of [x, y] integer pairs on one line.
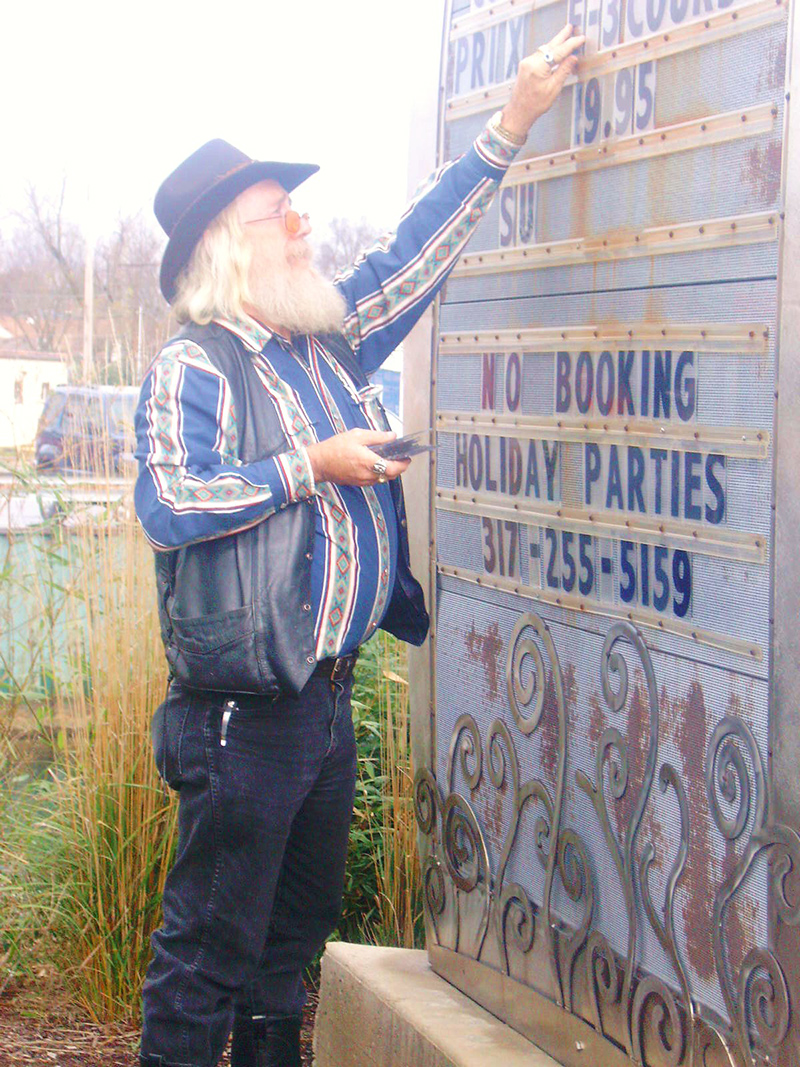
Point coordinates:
[[217, 652]]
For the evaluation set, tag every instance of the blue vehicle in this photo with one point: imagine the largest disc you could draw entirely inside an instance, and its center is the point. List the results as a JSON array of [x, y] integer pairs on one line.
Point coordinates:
[[86, 429]]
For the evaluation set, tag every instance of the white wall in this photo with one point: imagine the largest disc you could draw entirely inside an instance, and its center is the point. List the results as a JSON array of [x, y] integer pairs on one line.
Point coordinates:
[[18, 420]]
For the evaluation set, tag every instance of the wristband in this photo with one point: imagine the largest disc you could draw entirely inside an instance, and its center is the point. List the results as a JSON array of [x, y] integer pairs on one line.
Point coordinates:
[[496, 124]]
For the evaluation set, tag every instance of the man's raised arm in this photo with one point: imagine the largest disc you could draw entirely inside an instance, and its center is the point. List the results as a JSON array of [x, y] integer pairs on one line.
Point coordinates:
[[390, 285]]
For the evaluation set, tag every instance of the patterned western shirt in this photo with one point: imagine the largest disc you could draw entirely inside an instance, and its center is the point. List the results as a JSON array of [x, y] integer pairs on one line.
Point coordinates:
[[192, 485]]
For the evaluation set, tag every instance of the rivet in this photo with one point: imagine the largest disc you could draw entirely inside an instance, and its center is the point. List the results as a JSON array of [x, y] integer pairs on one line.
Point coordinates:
[[579, 1046], [663, 429]]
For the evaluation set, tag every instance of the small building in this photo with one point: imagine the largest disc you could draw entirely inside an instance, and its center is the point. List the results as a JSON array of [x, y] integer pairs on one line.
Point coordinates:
[[26, 380]]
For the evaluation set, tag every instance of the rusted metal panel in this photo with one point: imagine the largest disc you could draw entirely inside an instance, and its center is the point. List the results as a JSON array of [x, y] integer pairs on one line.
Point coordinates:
[[610, 808]]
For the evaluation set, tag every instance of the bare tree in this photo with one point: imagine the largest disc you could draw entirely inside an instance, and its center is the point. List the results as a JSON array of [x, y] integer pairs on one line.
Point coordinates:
[[41, 287], [343, 242], [41, 265]]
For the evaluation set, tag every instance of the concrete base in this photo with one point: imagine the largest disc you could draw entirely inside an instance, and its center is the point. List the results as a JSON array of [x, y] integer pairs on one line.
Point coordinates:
[[384, 1007]]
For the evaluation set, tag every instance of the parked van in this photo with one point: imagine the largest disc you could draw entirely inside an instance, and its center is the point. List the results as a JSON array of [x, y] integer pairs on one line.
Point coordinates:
[[87, 428]]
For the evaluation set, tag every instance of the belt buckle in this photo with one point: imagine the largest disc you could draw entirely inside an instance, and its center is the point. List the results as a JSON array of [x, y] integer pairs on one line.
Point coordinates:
[[340, 666]]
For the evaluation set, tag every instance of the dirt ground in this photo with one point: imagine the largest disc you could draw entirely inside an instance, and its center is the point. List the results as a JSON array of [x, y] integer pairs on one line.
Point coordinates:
[[34, 1033]]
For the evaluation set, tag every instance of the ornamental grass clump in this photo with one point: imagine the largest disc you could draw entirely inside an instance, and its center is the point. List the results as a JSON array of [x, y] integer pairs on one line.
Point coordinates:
[[84, 867], [383, 901]]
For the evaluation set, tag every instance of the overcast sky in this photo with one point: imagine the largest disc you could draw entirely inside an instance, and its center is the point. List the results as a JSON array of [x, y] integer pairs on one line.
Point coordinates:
[[115, 95]]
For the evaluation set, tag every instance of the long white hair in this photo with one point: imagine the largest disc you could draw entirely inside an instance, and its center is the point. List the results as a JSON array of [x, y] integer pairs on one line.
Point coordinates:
[[214, 284]]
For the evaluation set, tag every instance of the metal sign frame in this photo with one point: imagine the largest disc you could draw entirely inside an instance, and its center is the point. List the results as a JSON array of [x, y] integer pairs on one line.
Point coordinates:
[[596, 1005]]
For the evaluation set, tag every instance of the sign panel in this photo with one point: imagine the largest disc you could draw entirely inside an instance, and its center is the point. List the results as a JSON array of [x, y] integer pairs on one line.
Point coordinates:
[[602, 865]]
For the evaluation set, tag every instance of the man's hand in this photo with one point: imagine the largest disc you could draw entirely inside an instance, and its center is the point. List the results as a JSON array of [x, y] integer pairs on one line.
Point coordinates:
[[346, 459], [538, 85]]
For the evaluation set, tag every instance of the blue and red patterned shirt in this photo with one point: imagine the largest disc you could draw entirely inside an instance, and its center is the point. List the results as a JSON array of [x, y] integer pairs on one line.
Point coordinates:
[[192, 485]]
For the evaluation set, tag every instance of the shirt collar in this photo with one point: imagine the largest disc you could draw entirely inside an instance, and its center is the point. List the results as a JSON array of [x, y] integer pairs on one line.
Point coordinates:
[[251, 333]]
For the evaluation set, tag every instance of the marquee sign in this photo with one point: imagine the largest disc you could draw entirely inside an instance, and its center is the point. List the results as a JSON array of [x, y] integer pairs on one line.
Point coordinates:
[[604, 863]]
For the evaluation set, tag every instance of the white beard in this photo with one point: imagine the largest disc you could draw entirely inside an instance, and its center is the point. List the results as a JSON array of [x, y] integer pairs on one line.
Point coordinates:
[[287, 291]]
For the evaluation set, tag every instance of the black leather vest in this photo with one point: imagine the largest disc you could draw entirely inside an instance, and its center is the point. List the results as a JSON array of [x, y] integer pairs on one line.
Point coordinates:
[[235, 610]]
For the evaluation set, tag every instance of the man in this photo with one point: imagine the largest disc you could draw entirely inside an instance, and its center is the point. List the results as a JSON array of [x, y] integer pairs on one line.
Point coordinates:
[[281, 547]]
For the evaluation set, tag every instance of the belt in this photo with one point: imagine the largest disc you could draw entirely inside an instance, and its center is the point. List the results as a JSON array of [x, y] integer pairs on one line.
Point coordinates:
[[338, 669]]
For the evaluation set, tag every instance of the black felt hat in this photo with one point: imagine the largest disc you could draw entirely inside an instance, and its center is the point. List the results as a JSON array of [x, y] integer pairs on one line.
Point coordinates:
[[200, 188]]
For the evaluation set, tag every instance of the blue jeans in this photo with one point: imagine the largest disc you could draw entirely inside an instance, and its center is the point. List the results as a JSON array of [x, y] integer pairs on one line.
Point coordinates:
[[266, 799]]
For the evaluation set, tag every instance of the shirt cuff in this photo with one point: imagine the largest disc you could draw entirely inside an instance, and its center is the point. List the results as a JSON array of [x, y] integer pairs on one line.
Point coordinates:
[[495, 149], [297, 476]]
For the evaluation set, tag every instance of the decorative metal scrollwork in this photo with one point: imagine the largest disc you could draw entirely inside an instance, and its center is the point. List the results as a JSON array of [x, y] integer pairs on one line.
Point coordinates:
[[761, 996], [605, 979], [669, 1028], [523, 693], [655, 1021], [613, 748], [576, 874], [466, 740], [515, 905]]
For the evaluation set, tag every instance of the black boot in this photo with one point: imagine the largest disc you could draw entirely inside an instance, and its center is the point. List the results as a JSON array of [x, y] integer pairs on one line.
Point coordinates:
[[261, 1042]]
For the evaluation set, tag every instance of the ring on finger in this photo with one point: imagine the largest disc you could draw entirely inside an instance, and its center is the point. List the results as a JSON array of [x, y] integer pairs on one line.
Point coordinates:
[[379, 468], [549, 58]]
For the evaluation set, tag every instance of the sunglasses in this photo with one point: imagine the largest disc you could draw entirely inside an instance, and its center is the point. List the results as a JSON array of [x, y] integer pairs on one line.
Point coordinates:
[[292, 220]]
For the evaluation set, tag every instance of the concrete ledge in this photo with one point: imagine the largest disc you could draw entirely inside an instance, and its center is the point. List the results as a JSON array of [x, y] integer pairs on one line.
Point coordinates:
[[384, 1007]]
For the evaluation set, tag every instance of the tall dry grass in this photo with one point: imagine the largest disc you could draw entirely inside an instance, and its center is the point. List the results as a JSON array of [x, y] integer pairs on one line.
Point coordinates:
[[84, 851], [383, 903], [83, 863]]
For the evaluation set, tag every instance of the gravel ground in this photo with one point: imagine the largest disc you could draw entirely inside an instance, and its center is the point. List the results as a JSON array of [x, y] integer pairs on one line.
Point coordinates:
[[35, 1034]]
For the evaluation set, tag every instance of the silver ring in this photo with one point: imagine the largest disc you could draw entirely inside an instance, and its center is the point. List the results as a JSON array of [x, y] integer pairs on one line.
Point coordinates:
[[379, 468], [549, 58]]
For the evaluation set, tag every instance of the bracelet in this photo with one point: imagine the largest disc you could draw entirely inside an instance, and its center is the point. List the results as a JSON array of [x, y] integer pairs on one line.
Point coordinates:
[[495, 123]]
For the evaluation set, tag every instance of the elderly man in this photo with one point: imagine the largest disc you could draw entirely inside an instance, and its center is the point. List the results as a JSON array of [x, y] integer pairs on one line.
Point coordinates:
[[281, 546]]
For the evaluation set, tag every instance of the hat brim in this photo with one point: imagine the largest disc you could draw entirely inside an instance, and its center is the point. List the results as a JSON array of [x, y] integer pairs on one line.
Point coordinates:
[[193, 222]]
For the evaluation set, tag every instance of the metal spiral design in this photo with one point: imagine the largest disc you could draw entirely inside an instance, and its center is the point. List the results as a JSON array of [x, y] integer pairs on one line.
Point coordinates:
[[434, 892], [665, 932], [605, 979], [426, 801], [761, 994], [668, 1028], [498, 762], [575, 869], [764, 998], [612, 743], [465, 850], [515, 912], [525, 688], [434, 886], [466, 742], [523, 693]]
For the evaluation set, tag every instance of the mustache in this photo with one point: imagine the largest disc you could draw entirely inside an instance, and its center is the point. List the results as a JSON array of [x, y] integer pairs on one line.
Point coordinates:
[[299, 250]]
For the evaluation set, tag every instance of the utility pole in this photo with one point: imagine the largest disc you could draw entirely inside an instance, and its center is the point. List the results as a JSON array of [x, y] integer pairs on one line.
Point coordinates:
[[139, 345], [88, 292]]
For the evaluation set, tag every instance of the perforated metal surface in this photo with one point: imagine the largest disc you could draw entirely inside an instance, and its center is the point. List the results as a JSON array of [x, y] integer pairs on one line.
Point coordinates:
[[595, 815]]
